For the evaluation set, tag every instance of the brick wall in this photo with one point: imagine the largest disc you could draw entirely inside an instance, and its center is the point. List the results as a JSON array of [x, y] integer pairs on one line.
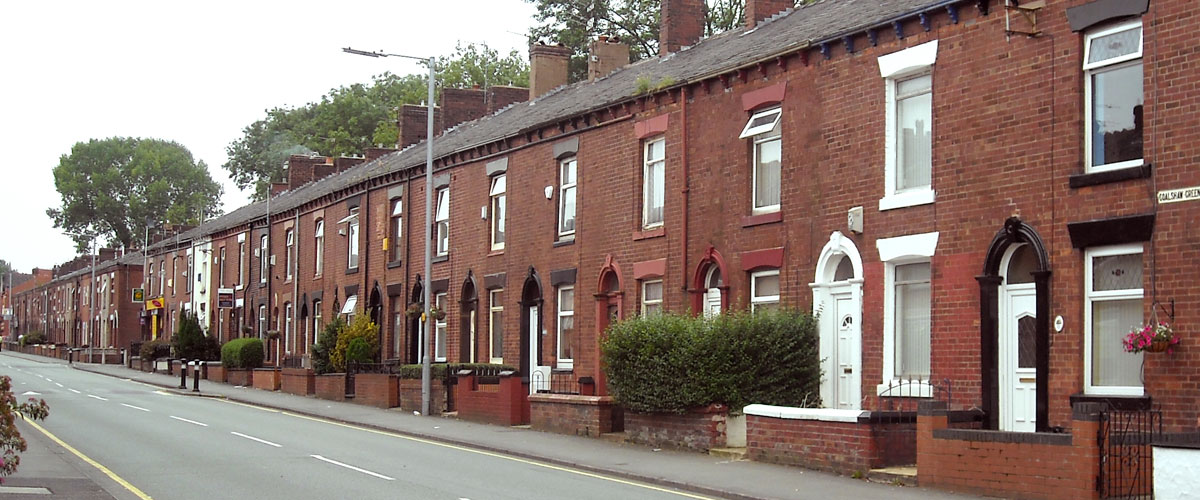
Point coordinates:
[[298, 381], [842, 447], [701, 429], [266, 379], [1009, 464], [503, 403], [240, 377], [331, 386], [410, 396], [377, 389], [575, 415]]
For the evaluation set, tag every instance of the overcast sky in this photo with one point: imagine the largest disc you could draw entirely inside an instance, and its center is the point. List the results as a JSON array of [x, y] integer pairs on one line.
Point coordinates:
[[195, 73]]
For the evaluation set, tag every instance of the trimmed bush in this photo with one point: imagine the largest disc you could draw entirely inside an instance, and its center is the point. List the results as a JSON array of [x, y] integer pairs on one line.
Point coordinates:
[[670, 363], [242, 353], [190, 342], [154, 349], [33, 338], [361, 329], [326, 343]]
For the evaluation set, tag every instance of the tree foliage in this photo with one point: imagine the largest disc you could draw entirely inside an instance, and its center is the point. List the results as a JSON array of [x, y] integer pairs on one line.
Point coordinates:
[[574, 23], [5, 268], [11, 441], [358, 342], [326, 343], [349, 119], [113, 187], [190, 342]]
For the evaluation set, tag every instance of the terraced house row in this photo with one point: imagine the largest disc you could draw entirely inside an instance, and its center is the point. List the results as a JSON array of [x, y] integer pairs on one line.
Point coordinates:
[[979, 198]]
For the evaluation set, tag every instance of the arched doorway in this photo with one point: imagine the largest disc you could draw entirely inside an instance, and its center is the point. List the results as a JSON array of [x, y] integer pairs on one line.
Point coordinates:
[[375, 310], [609, 309], [1014, 299], [414, 324], [532, 370], [306, 339], [468, 311], [710, 294], [837, 300]]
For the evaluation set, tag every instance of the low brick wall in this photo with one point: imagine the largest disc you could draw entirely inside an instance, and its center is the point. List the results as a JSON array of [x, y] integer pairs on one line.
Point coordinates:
[[574, 414], [236, 376], [841, 441], [377, 389], [502, 403], [331, 386], [410, 395], [266, 379], [298, 381], [700, 429], [1009, 464], [216, 373]]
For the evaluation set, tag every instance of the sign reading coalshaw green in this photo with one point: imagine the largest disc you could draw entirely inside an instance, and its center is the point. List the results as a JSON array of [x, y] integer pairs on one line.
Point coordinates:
[[1178, 195]]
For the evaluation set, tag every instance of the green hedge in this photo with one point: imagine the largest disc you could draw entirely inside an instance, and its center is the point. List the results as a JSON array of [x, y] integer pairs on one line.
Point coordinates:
[[670, 363], [154, 349], [438, 370], [33, 338], [242, 353]]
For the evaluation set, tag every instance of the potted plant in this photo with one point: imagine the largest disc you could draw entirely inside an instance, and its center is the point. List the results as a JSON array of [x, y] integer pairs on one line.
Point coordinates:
[[437, 314], [1153, 337], [414, 310]]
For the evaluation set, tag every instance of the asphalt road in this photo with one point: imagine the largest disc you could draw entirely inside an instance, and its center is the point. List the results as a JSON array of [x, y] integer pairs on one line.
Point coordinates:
[[178, 447]]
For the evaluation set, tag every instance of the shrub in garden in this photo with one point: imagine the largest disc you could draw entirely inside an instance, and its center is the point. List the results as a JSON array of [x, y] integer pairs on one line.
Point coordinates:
[[154, 349], [190, 342], [33, 338], [361, 329], [244, 353], [670, 363], [326, 343]]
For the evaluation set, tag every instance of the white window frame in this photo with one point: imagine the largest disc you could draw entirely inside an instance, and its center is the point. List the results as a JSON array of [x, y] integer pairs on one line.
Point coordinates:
[[263, 253], [755, 299], [396, 223], [772, 113], [221, 269], [352, 239], [763, 134], [318, 324], [241, 263], [495, 305], [263, 321], [290, 236], [900, 250], [150, 282], [187, 287], [319, 248], [1089, 69], [1090, 296], [287, 328], [561, 362], [439, 329], [898, 66], [647, 165], [497, 202], [162, 276], [648, 303], [442, 219], [567, 190]]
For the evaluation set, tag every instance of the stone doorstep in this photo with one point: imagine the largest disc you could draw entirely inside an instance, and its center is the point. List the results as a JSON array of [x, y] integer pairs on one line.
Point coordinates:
[[731, 454], [900, 475]]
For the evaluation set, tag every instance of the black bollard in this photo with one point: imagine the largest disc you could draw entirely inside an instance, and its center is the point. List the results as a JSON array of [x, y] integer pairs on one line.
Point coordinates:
[[196, 377], [182, 373]]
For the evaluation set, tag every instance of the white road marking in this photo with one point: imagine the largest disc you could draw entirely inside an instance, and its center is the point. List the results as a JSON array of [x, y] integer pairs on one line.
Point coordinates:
[[181, 419], [31, 393], [351, 467], [58, 384], [134, 407], [252, 438], [74, 391], [97, 397], [48, 380]]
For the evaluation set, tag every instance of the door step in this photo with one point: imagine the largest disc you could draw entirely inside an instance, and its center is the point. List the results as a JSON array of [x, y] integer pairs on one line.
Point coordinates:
[[901, 475], [615, 437], [731, 454]]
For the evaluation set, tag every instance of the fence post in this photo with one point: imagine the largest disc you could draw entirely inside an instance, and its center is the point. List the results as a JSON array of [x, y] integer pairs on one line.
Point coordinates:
[[196, 376], [182, 372]]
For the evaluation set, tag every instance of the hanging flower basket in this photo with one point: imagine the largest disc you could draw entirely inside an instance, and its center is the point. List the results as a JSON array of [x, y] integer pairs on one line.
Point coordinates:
[[1151, 338], [413, 311], [437, 314]]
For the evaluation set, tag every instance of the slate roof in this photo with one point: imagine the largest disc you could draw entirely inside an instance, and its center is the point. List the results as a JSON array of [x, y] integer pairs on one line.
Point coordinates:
[[725, 52]]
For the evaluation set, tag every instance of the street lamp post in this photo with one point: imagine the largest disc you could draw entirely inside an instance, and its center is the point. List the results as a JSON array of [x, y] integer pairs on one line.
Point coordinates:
[[427, 325]]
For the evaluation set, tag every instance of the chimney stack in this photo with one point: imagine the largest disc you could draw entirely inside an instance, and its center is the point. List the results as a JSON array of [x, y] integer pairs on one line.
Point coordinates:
[[681, 24], [606, 55], [547, 68], [757, 10]]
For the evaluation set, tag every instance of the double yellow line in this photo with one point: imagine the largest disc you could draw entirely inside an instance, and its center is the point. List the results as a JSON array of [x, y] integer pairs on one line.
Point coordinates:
[[111, 475]]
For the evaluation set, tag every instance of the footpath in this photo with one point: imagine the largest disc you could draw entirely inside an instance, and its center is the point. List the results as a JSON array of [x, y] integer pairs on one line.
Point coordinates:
[[693, 472]]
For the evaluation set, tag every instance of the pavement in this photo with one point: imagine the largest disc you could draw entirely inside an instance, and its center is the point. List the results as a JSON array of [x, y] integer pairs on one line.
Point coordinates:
[[690, 471]]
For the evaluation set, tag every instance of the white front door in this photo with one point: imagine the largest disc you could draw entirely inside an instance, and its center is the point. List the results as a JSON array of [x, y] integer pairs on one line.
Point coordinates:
[[846, 378], [712, 302], [539, 376], [1018, 351]]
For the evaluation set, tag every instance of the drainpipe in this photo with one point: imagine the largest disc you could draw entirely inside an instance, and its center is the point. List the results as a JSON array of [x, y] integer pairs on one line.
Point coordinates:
[[683, 232], [296, 282]]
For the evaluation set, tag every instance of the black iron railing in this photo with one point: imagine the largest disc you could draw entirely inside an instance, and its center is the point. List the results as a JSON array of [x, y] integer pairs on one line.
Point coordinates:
[[1126, 464], [551, 383]]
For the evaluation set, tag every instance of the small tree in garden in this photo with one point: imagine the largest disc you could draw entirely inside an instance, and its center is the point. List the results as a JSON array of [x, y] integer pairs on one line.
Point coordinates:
[[326, 343], [361, 329], [11, 441], [190, 342]]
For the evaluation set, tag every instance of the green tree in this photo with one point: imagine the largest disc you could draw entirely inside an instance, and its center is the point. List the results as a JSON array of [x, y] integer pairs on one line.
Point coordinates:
[[11, 441], [362, 334], [190, 342], [113, 187], [5, 268], [326, 343], [349, 119]]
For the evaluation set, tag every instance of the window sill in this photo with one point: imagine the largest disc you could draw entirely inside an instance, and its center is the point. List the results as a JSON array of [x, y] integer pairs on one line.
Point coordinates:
[[353, 270], [1117, 402], [650, 233], [261, 284], [394, 264], [439, 258], [760, 219], [563, 368], [898, 388], [495, 253], [239, 288], [318, 276], [564, 242], [906, 199], [1108, 176]]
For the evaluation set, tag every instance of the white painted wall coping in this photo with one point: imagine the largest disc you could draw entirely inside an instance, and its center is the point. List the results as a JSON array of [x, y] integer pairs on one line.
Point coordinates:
[[793, 413]]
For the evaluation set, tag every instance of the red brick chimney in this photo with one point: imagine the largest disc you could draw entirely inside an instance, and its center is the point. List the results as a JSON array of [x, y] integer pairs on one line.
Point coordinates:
[[369, 154], [606, 55], [500, 96], [460, 105], [547, 68], [757, 10], [301, 169], [106, 254], [411, 124], [681, 24]]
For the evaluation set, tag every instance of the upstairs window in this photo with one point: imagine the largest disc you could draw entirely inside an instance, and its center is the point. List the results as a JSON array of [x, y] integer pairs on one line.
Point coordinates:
[[496, 207], [352, 240], [442, 218], [263, 259], [653, 182], [221, 269], [397, 227], [566, 197], [908, 141], [1112, 66], [241, 265], [319, 247], [291, 242], [763, 127]]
